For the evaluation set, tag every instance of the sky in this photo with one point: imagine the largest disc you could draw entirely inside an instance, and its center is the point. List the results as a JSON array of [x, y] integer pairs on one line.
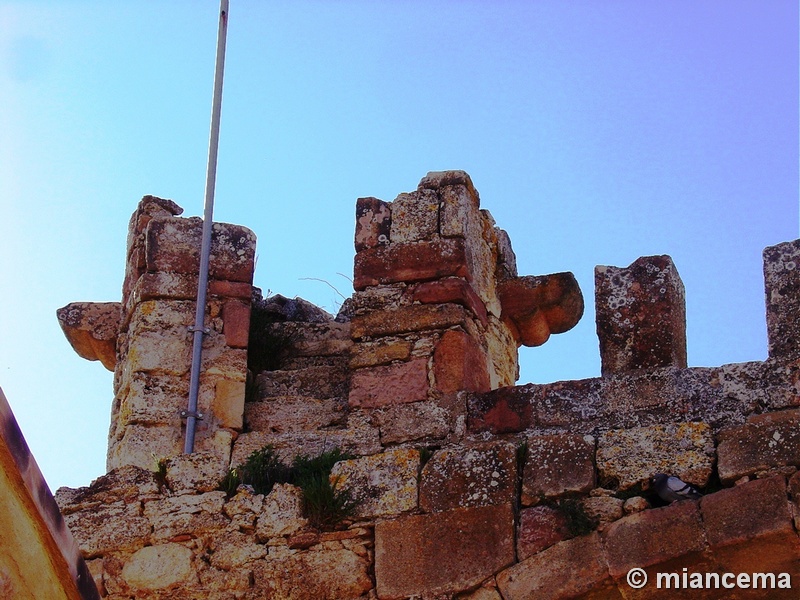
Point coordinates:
[[595, 132]]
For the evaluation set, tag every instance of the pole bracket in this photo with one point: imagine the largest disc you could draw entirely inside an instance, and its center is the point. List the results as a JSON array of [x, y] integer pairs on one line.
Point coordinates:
[[185, 414], [204, 330]]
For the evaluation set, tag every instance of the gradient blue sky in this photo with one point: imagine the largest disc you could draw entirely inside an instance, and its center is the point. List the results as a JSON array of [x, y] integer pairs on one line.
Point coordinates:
[[596, 132]]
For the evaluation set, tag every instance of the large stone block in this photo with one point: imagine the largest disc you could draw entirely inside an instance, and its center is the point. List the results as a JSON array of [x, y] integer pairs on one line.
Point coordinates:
[[535, 307], [373, 223], [450, 289], [173, 245], [159, 567], [460, 364], [319, 382], [641, 315], [782, 287], [409, 262], [113, 527], [539, 527], [565, 570], [626, 457], [293, 413], [505, 410], [415, 217], [576, 405], [417, 317], [462, 476], [442, 553], [556, 465], [765, 442], [389, 384], [282, 513], [189, 515], [228, 403], [413, 422], [91, 329], [382, 484], [236, 323]]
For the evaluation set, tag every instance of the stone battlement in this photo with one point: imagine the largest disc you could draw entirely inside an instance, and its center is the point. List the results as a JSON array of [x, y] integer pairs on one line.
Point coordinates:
[[466, 485]]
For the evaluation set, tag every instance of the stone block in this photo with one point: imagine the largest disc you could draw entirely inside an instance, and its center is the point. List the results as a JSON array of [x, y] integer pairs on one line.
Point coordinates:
[[463, 476], [782, 288], [413, 422], [626, 457], [539, 527], [173, 245], [143, 446], [417, 317], [765, 442], [653, 537], [535, 307], [91, 329], [152, 399], [501, 348], [282, 513], [236, 323], [159, 567], [243, 509], [280, 414], [578, 405], [187, 515], [459, 364], [197, 472], [415, 217], [435, 180], [442, 553], [459, 213], [409, 262], [319, 382], [228, 403], [113, 527], [382, 484], [447, 290], [389, 384], [556, 465], [380, 352], [506, 258], [126, 484], [603, 509], [235, 550], [373, 223], [641, 315], [505, 410], [566, 570]]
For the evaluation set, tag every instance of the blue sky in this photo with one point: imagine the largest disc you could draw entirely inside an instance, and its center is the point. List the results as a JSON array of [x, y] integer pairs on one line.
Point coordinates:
[[596, 132]]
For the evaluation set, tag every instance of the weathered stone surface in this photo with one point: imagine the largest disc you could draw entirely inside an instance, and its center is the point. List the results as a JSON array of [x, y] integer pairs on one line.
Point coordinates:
[[653, 537], [459, 364], [236, 319], [126, 484], [282, 513], [459, 215], [319, 382], [244, 508], [115, 526], [464, 476], [234, 550], [603, 509], [293, 413], [228, 403], [143, 446], [565, 570], [539, 527], [577, 405], [506, 258], [173, 245], [381, 484], [535, 307], [630, 456], [91, 329], [415, 217], [641, 315], [187, 515], [406, 319], [764, 442], [435, 180], [782, 287], [415, 261], [196, 472], [315, 575], [556, 465], [415, 421], [442, 552], [159, 340], [380, 352], [389, 384], [506, 410], [159, 567], [373, 223], [450, 289]]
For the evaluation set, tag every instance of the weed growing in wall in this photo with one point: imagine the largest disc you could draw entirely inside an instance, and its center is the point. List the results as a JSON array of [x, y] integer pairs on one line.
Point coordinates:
[[324, 505]]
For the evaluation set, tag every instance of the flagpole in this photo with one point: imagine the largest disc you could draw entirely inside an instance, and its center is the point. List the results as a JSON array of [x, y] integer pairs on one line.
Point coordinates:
[[199, 329]]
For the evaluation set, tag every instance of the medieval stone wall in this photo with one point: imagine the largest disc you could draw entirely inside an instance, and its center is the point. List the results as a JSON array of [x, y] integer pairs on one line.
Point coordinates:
[[467, 486]]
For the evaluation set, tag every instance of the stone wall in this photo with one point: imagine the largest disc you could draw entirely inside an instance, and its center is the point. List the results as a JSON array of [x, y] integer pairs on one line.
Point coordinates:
[[467, 486]]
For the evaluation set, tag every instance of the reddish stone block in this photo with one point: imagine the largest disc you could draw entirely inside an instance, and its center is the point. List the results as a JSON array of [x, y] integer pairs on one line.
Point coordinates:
[[653, 536], [459, 364], [91, 329], [236, 323], [230, 289], [570, 569], [416, 317], [416, 261], [505, 410], [539, 527], [782, 287], [641, 315], [462, 476], [389, 384], [556, 465], [451, 289], [439, 179], [442, 553], [765, 442], [535, 307], [373, 223], [173, 245]]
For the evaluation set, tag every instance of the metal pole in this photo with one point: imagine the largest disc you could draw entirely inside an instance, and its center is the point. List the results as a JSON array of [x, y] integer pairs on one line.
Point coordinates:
[[205, 249]]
